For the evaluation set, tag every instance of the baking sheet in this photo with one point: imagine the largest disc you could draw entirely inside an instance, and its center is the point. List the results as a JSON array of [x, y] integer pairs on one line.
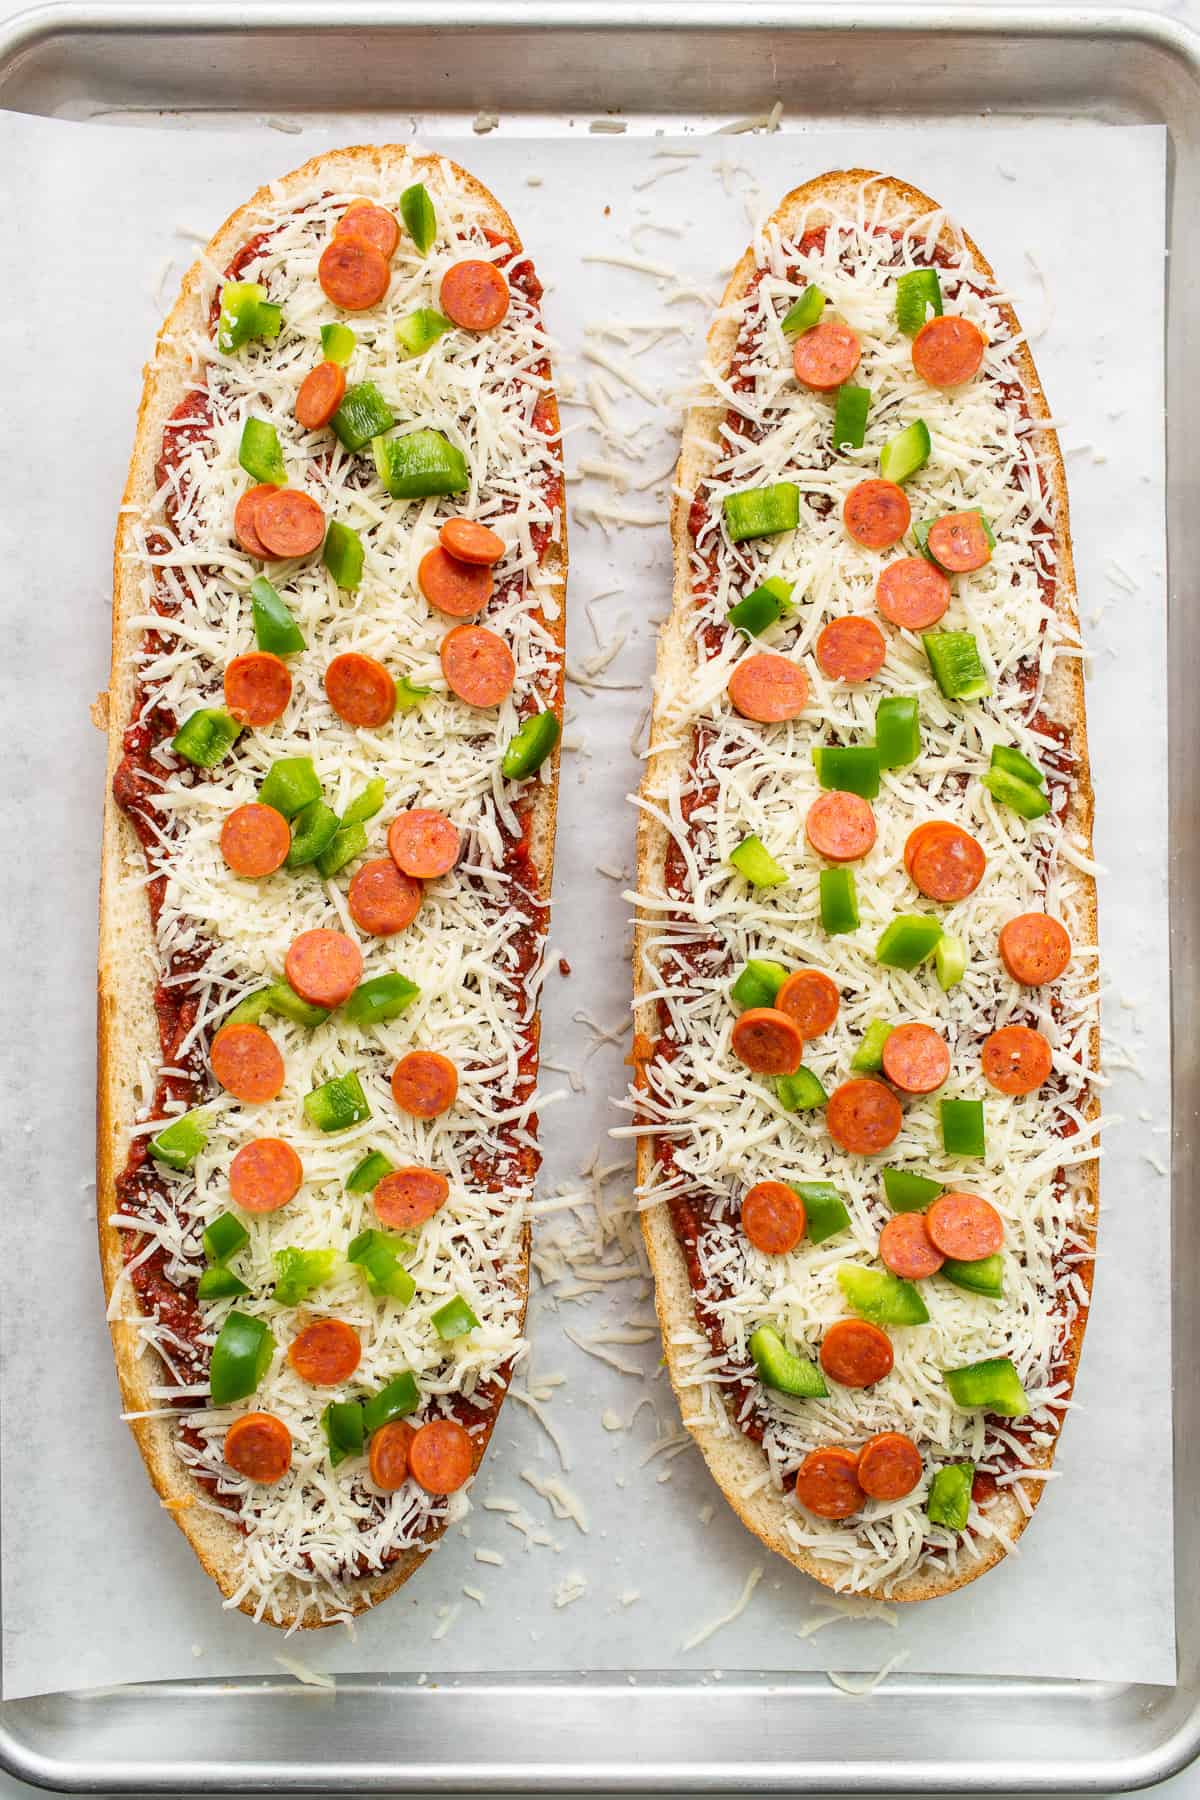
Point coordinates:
[[96, 1586]]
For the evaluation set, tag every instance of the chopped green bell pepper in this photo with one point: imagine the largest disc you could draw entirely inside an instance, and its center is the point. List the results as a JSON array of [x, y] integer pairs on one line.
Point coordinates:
[[348, 842], [849, 768], [421, 463], [758, 983], [984, 1277], [839, 901], [454, 1319], [241, 1357], [907, 452], [364, 806], [420, 220], [1024, 798], [1011, 760], [804, 313], [897, 731], [949, 960], [530, 746], [881, 1297], [206, 737], [868, 1058], [343, 555], [337, 344], [367, 1174], [907, 941], [824, 1209], [949, 1501], [917, 290], [907, 1192], [850, 417], [409, 695], [277, 998], [378, 1256], [760, 512], [780, 1368], [338, 1103], [299, 1272], [989, 1386], [259, 452], [400, 1396], [342, 1423], [275, 629], [224, 1237], [289, 785], [246, 314], [752, 859], [799, 1092], [220, 1283], [313, 831], [419, 331], [762, 608], [363, 414], [180, 1143], [383, 997], [955, 662], [963, 1127]]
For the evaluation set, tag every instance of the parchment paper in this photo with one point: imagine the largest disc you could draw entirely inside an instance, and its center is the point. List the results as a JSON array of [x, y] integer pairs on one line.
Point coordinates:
[[97, 1585]]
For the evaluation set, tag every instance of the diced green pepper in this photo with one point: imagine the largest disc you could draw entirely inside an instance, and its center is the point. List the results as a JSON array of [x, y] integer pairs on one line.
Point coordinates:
[[752, 859], [907, 452], [454, 1319], [363, 414], [422, 463], [984, 1277], [343, 555], [963, 1127], [180, 1143], [364, 806], [338, 1103], [824, 1209], [420, 220], [850, 417], [274, 627], [1011, 760], [299, 1272], [1029, 801], [839, 901], [758, 983], [224, 1237], [220, 1283], [282, 999], [799, 1092], [206, 737], [348, 842], [337, 344], [408, 695], [868, 1058], [259, 452], [907, 941], [245, 314], [367, 1174], [378, 1256], [804, 313], [949, 960], [949, 1501], [917, 290], [530, 746], [342, 1423], [850, 768], [990, 1386], [760, 512], [419, 331], [881, 1297], [241, 1357], [383, 997], [780, 1368], [313, 830], [290, 784], [897, 731], [762, 608], [955, 663], [907, 1192], [400, 1396], [250, 1010]]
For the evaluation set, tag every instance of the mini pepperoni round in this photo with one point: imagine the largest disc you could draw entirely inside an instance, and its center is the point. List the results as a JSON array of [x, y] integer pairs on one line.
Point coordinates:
[[423, 842], [247, 1063], [1035, 948], [360, 690], [965, 1227], [353, 274], [289, 523], [441, 1457], [257, 688], [259, 1446], [959, 542], [325, 1353], [324, 967], [424, 1084], [475, 295], [856, 1353], [369, 224], [321, 393], [1016, 1059], [382, 900], [916, 1059], [827, 1482], [876, 514], [243, 519], [906, 1248], [810, 998], [839, 826], [826, 356], [458, 588], [264, 1175], [768, 689], [863, 1116], [946, 863], [409, 1196], [387, 1458], [255, 840], [947, 351], [889, 1466], [912, 594], [478, 665], [768, 1042], [773, 1217], [851, 648], [471, 543]]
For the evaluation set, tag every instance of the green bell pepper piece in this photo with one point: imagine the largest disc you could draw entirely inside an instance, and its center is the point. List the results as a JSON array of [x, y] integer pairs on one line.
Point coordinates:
[[363, 414], [421, 463], [408, 695], [400, 1396], [839, 901], [1010, 759], [206, 737], [289, 785], [1024, 798], [420, 220], [758, 983], [241, 1357], [383, 997], [342, 1423], [850, 417], [850, 768], [949, 960], [963, 1127], [881, 1297], [348, 842], [907, 452], [762, 608], [530, 746], [220, 1283], [897, 731], [251, 1008], [180, 1143], [824, 1209], [760, 512], [419, 331], [804, 313], [868, 1058], [343, 555], [274, 627], [259, 452], [337, 344], [989, 1386], [752, 859], [907, 941], [367, 1174], [246, 313], [949, 1500], [277, 998], [984, 1277], [917, 290], [224, 1237], [955, 663], [378, 1256], [780, 1368], [364, 806], [299, 1272], [338, 1103], [454, 1319], [799, 1092], [907, 1192], [313, 831]]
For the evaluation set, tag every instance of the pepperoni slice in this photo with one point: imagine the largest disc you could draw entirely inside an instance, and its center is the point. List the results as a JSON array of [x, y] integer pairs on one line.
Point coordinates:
[[247, 1063], [259, 1446], [324, 967], [264, 1175], [243, 519], [471, 543], [1035, 948], [840, 827], [257, 688], [827, 1482], [360, 690], [289, 523], [965, 1227], [255, 839], [369, 224], [409, 1196], [325, 1353], [911, 593], [876, 514], [478, 665], [959, 542], [441, 1457], [889, 1466], [916, 1059], [321, 393], [353, 274], [382, 901], [826, 356], [851, 648], [1016, 1059], [945, 861], [387, 1458], [423, 842], [906, 1248], [424, 1084], [947, 351], [768, 689], [810, 998], [475, 295], [768, 1042], [856, 1353], [773, 1217], [863, 1116], [458, 588]]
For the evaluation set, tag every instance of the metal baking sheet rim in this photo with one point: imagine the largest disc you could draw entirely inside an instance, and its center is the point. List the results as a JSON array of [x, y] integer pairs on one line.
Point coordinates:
[[1132, 1737]]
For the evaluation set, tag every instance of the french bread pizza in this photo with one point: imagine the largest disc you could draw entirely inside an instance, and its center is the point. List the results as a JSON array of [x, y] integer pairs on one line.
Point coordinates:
[[339, 595], [866, 967]]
